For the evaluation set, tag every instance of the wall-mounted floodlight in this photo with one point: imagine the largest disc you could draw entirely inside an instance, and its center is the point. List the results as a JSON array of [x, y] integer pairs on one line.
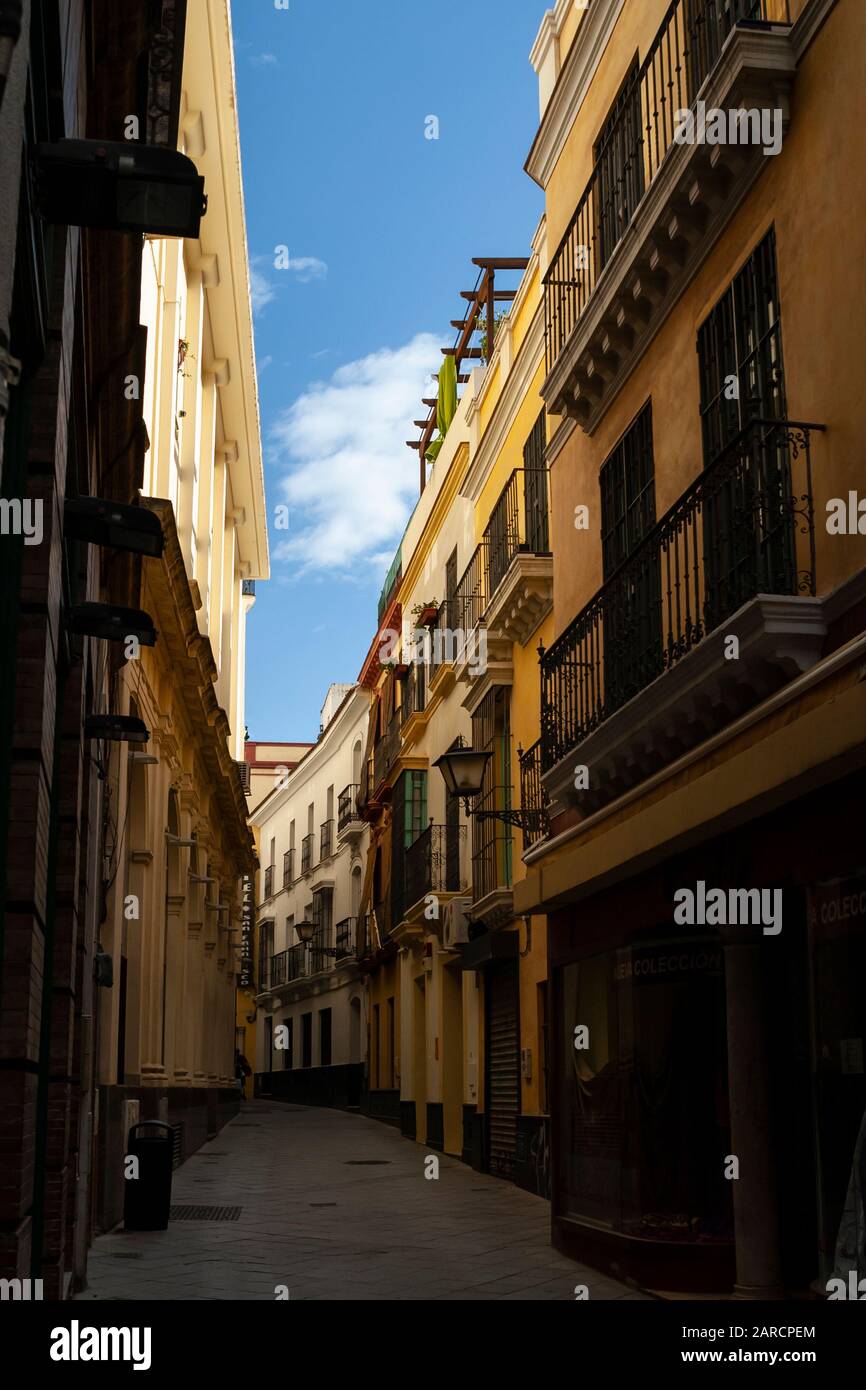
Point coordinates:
[[120, 187], [143, 759], [177, 842], [111, 623], [116, 728], [99, 522], [201, 878]]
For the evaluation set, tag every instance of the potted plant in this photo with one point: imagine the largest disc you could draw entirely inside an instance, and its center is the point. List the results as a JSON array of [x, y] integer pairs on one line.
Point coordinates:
[[425, 613]]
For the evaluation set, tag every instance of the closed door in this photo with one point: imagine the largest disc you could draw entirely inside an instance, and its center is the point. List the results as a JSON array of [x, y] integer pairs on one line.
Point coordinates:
[[503, 1065]]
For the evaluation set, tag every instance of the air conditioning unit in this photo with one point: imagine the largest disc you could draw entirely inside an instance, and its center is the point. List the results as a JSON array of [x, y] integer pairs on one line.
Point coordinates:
[[455, 924]]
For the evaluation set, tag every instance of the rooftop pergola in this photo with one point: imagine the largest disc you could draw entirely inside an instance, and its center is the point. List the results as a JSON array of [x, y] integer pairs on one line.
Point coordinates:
[[480, 314]]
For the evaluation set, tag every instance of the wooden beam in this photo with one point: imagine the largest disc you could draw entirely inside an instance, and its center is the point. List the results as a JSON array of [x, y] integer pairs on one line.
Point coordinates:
[[429, 400], [504, 296], [501, 262], [467, 352]]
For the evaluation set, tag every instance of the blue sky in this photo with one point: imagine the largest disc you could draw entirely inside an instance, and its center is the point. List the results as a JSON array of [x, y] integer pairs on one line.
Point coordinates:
[[380, 226]]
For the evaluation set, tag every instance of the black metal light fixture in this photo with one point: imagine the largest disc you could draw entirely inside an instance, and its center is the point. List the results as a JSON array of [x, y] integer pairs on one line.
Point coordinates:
[[120, 187], [306, 931], [463, 770], [115, 728], [111, 623], [97, 521]]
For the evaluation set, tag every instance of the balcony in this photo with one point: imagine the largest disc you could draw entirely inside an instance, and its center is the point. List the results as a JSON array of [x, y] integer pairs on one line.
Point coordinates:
[[431, 864], [644, 672], [288, 868], [269, 883], [533, 798], [519, 579], [244, 774], [348, 941], [415, 712], [321, 957], [350, 826], [287, 966], [307, 853], [326, 840], [386, 753], [659, 197]]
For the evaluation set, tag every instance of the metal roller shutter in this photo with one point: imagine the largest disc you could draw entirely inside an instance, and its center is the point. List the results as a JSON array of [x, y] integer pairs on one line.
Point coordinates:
[[503, 1075]]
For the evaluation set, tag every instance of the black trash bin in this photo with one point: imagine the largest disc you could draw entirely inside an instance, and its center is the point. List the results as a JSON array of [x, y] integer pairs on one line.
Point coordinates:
[[147, 1198]]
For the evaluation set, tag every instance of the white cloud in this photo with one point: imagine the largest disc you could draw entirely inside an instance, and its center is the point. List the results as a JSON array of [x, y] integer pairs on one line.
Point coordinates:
[[264, 363], [261, 289], [351, 481], [264, 60], [307, 268]]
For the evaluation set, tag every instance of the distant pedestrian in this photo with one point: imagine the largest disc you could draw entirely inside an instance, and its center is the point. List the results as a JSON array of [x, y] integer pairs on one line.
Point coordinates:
[[242, 1070]]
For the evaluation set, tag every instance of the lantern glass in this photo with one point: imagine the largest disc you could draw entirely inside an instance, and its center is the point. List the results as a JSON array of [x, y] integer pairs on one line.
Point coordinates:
[[463, 770]]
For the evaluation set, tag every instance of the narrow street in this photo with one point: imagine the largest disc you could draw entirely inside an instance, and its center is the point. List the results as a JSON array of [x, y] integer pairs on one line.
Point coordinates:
[[336, 1206]]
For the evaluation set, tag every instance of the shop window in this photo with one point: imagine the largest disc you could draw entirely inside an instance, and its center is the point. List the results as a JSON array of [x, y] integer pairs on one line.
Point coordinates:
[[643, 1096]]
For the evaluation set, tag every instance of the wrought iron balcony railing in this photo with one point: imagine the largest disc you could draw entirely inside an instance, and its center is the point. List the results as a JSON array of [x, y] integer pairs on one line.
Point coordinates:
[[326, 840], [269, 882], [472, 594], [307, 853], [288, 966], [244, 774], [414, 691], [347, 806], [288, 868], [742, 528], [639, 134], [321, 954], [431, 864], [518, 523], [533, 797], [347, 938], [386, 752]]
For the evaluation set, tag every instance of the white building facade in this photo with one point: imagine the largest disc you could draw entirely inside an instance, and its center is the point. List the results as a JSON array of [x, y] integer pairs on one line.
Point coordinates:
[[313, 853]]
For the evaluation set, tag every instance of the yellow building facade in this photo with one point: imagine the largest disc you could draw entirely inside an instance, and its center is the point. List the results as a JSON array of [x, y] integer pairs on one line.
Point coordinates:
[[182, 845], [457, 986], [702, 704]]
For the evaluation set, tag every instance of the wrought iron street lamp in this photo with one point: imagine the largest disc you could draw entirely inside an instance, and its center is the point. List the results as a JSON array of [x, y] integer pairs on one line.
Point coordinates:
[[306, 931], [463, 770]]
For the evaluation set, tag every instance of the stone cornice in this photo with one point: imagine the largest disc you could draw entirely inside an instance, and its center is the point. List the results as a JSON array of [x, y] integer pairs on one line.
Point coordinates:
[[194, 672], [571, 88]]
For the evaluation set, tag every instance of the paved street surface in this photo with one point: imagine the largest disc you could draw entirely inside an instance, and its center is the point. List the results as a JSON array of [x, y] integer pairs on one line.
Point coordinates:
[[336, 1206]]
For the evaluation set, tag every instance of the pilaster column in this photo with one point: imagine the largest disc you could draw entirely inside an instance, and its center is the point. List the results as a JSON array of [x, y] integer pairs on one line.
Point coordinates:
[[756, 1216]]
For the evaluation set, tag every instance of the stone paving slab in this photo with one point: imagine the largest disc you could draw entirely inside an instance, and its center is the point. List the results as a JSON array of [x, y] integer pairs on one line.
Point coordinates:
[[391, 1234]]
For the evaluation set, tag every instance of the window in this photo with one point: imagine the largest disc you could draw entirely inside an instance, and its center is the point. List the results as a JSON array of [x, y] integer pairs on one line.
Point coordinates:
[[324, 1037], [748, 538], [740, 342], [409, 819], [655, 1066], [491, 839], [619, 172], [266, 951], [535, 500], [288, 1061], [632, 605], [306, 1040]]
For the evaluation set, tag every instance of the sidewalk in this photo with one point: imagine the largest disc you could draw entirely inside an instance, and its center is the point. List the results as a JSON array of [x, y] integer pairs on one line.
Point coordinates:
[[336, 1206]]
